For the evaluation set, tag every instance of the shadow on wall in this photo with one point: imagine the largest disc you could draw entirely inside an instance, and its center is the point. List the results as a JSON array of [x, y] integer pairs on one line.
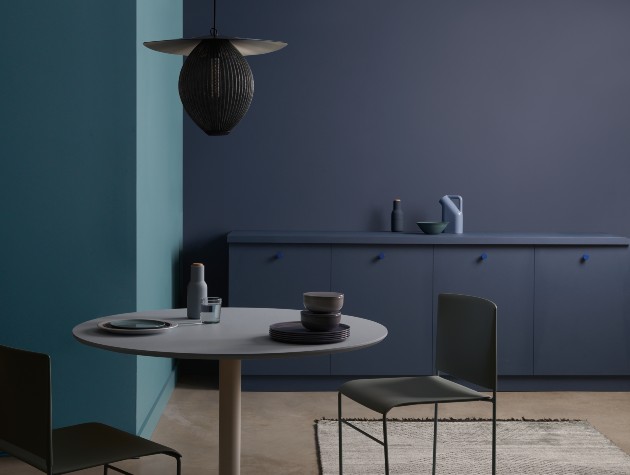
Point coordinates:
[[213, 254]]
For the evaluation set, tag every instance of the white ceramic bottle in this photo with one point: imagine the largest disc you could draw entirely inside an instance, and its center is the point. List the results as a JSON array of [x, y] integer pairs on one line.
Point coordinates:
[[197, 289]]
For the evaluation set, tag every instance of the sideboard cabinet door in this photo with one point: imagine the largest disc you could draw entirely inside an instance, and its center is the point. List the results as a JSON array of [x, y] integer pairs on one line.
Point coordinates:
[[276, 276], [581, 322], [504, 275], [390, 285]]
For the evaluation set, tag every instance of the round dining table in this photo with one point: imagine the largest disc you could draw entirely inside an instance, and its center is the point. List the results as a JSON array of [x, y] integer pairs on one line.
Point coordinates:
[[242, 334]]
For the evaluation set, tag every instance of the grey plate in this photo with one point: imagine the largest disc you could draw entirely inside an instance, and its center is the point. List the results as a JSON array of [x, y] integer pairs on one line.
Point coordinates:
[[136, 326], [294, 332], [310, 337]]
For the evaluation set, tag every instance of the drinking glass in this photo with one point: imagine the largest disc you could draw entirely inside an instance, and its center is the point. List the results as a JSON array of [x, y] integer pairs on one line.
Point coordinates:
[[211, 310]]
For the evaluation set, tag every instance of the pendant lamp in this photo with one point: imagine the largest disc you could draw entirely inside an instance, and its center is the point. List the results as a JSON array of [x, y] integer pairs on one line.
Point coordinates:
[[216, 85]]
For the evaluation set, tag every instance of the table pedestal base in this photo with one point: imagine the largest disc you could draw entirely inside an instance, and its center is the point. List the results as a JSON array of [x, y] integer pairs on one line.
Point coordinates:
[[229, 417]]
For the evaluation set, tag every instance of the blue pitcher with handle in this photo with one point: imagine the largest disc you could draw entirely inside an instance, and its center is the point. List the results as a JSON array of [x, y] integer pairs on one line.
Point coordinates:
[[453, 214]]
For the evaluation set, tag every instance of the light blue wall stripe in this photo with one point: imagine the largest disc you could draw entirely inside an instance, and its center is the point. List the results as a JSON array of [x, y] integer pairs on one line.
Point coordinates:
[[159, 220]]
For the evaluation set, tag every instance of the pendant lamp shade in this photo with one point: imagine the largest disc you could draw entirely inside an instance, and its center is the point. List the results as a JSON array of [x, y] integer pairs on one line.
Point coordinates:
[[216, 86]]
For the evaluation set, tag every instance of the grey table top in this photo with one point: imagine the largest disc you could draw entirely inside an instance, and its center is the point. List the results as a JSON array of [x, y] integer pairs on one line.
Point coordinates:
[[243, 333]]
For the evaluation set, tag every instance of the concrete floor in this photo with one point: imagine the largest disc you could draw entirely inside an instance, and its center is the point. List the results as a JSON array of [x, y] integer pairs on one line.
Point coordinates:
[[278, 428]]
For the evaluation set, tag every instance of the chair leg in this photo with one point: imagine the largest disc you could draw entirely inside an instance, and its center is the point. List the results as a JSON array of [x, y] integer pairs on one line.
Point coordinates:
[[340, 430], [494, 435], [385, 448], [105, 469], [435, 424], [179, 465], [116, 469]]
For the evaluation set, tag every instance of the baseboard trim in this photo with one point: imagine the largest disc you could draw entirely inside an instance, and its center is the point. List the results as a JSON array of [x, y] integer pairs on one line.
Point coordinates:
[[505, 383], [151, 420]]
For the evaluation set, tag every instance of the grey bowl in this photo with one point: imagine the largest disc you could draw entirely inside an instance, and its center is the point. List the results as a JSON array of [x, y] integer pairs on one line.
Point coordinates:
[[432, 227], [320, 322], [323, 302]]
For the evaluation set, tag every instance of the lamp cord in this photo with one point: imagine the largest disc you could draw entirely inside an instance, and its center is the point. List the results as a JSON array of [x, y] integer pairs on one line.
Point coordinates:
[[213, 31]]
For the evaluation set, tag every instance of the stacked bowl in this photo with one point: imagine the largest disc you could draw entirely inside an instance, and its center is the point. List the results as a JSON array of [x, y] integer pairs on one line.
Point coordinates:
[[322, 310]]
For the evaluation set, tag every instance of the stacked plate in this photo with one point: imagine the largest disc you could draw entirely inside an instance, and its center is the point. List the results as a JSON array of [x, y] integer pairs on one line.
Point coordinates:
[[294, 332]]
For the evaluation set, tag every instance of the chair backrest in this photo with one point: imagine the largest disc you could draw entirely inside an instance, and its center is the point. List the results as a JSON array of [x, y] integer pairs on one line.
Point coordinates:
[[466, 343], [25, 406]]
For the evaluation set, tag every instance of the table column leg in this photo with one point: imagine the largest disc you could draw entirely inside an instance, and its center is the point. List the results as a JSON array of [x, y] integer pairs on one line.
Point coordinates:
[[229, 417]]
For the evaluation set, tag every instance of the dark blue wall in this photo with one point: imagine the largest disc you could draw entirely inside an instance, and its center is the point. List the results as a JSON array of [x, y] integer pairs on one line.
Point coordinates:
[[521, 107]]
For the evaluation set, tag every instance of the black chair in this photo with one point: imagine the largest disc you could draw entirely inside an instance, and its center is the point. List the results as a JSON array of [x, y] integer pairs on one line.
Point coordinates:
[[466, 349], [26, 424]]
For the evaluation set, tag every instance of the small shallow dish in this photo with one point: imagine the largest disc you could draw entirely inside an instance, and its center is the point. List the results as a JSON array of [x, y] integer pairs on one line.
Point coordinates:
[[323, 302], [137, 326], [320, 322], [432, 227]]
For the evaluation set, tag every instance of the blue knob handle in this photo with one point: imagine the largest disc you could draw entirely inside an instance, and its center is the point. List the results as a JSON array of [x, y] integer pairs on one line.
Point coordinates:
[[585, 257], [380, 256], [483, 256], [279, 255]]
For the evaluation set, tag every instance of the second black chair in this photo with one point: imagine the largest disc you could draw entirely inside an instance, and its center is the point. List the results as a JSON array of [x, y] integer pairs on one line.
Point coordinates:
[[466, 349]]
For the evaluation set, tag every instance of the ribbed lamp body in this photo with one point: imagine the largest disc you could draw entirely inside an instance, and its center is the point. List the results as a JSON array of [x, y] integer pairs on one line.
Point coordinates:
[[216, 86]]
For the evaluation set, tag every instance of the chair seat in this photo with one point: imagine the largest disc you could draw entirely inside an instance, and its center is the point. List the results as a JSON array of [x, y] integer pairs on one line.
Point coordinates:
[[383, 394], [93, 444]]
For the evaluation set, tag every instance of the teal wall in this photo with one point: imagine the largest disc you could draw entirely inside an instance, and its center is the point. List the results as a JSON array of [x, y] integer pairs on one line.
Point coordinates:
[[70, 196]]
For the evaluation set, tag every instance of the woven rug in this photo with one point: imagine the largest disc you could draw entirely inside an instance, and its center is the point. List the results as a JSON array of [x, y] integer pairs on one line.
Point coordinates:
[[465, 447]]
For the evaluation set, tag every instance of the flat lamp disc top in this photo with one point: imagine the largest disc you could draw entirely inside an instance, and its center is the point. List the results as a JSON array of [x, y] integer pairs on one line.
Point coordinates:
[[245, 46]]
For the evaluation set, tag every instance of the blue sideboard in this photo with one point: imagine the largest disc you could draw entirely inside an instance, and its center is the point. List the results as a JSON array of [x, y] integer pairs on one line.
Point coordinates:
[[563, 299]]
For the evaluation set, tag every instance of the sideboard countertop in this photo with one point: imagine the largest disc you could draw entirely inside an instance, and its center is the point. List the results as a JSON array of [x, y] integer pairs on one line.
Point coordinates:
[[418, 238]]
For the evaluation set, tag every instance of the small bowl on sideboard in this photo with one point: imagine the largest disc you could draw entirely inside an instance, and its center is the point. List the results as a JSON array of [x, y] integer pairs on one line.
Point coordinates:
[[432, 227]]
